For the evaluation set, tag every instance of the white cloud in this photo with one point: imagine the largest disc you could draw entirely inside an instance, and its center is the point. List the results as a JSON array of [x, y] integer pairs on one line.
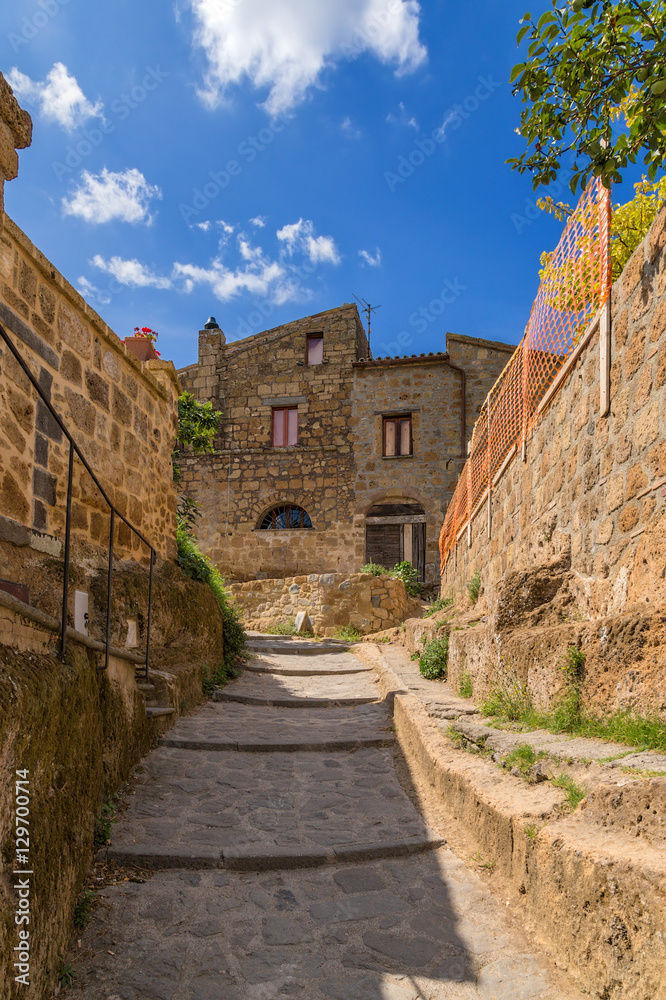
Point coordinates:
[[259, 221], [107, 196], [300, 236], [403, 118], [130, 272], [451, 116], [285, 45], [274, 277], [369, 259], [350, 129], [59, 97], [259, 278], [205, 226], [225, 227]]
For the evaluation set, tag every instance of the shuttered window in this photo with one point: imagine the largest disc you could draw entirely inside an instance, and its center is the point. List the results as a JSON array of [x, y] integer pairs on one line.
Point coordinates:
[[315, 349], [285, 426], [397, 436]]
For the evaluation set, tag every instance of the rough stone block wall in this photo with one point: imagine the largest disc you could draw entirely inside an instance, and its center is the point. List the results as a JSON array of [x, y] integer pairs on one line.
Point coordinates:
[[79, 731], [331, 600], [247, 476], [122, 413], [431, 391], [577, 548]]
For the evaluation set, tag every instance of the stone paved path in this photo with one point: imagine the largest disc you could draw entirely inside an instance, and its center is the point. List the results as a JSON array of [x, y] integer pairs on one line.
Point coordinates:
[[324, 907]]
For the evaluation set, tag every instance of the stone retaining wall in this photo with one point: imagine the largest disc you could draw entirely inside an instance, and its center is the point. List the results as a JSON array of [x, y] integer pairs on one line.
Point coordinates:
[[79, 731], [577, 544], [331, 601]]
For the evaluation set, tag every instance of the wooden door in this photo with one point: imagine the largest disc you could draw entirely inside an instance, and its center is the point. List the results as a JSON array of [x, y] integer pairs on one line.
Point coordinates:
[[383, 544]]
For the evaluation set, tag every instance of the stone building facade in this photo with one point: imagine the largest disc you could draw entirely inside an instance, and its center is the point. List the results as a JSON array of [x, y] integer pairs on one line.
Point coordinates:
[[326, 457]]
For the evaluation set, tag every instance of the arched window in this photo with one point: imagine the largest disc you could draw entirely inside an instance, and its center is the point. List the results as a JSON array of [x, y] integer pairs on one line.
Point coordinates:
[[286, 516]]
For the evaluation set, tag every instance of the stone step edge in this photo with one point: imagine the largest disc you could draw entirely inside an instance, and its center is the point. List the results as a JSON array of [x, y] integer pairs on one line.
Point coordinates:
[[256, 858], [295, 650], [325, 746], [295, 672], [156, 711], [248, 699]]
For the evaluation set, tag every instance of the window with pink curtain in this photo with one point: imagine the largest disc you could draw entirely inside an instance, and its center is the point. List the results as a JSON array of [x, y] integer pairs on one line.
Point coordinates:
[[285, 426], [315, 349]]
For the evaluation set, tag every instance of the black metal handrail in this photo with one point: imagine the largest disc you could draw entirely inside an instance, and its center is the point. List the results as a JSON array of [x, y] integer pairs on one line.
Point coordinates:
[[73, 447]]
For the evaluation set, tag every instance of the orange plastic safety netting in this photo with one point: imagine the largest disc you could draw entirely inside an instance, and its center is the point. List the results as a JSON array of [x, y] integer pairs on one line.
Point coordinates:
[[575, 283]]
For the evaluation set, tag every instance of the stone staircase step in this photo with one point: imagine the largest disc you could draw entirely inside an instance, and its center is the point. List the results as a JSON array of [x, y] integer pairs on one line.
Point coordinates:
[[280, 746], [157, 711], [288, 671], [297, 648], [256, 858], [278, 702]]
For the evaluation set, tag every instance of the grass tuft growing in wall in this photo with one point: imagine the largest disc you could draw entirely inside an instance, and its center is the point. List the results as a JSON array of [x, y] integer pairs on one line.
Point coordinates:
[[438, 605], [509, 701], [474, 587], [465, 688], [282, 628], [348, 633]]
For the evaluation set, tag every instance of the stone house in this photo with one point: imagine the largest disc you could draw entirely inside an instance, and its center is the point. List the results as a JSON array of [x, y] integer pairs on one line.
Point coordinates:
[[328, 458]]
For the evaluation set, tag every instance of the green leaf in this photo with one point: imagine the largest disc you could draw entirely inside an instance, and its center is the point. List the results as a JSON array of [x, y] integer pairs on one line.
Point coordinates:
[[659, 87]]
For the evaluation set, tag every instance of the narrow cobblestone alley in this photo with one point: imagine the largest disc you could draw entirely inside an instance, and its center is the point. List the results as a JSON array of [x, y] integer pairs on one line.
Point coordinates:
[[290, 862]]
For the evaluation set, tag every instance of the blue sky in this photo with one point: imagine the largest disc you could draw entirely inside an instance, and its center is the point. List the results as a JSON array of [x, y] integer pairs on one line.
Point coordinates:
[[262, 160]]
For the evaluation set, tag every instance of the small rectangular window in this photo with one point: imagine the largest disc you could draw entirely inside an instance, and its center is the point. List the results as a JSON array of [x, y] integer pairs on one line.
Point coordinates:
[[285, 426], [315, 349], [397, 436]]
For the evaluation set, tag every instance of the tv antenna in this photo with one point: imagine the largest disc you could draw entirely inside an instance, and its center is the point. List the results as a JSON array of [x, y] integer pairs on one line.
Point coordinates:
[[368, 310]]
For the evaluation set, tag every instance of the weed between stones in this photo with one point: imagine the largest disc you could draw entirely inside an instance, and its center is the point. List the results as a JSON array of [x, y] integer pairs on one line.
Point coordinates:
[[509, 701]]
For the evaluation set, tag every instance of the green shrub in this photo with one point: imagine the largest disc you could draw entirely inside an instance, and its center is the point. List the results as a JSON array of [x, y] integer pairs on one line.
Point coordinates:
[[508, 699], [465, 688], [197, 566], [438, 605], [474, 587], [348, 633], [282, 628], [82, 909], [405, 571], [212, 680], [102, 834], [375, 569], [434, 660], [523, 757]]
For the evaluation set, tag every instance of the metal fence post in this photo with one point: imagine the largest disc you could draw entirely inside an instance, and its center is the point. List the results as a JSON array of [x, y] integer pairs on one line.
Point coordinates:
[[68, 531]]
